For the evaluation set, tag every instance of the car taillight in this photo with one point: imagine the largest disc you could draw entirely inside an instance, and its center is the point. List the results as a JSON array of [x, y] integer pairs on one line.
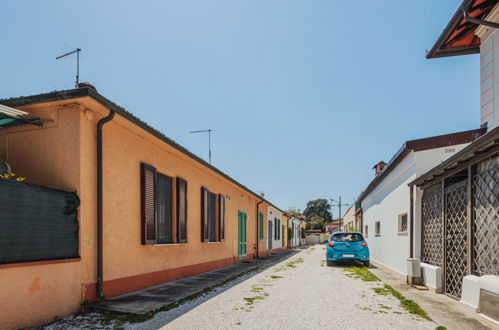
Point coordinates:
[[331, 244], [364, 244]]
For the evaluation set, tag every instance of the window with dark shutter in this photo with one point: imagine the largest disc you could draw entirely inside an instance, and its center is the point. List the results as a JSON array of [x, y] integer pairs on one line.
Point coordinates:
[[221, 216], [148, 188], [377, 228], [212, 211], [204, 215], [164, 209], [181, 210]]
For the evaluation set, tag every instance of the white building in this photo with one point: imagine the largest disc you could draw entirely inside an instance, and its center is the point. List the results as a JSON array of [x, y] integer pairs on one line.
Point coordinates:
[[386, 202], [275, 229], [458, 209], [295, 227]]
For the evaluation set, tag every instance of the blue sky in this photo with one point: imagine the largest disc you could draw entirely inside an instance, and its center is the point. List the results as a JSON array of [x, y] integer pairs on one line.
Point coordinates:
[[303, 97]]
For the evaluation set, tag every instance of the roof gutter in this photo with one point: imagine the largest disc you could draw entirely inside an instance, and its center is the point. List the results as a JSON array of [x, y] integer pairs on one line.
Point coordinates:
[[478, 20], [85, 91], [100, 225]]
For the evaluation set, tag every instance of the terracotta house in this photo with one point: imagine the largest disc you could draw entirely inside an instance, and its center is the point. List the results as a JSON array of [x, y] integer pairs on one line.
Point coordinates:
[[148, 211]]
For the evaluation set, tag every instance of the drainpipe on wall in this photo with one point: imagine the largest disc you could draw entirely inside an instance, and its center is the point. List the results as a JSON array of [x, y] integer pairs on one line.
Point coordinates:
[[100, 254], [411, 223], [257, 220]]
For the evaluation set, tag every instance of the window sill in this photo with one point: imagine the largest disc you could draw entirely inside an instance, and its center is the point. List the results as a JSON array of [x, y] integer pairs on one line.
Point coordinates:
[[402, 233], [35, 263], [214, 242], [377, 235], [166, 244]]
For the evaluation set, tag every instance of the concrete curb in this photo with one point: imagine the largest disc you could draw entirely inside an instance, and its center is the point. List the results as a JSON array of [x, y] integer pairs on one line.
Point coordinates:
[[172, 294], [443, 310]]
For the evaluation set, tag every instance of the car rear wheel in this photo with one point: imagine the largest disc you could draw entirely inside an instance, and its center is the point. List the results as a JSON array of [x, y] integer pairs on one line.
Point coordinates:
[[366, 263], [330, 262]]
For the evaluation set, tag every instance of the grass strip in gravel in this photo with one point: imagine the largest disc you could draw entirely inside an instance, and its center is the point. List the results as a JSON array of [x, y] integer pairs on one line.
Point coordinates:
[[294, 262], [407, 304], [361, 273]]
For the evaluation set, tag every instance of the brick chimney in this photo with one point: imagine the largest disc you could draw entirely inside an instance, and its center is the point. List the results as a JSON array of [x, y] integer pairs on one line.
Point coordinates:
[[87, 84], [378, 168]]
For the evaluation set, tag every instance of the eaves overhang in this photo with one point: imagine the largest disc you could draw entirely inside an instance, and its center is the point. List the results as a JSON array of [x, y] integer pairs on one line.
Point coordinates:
[[89, 92], [421, 145], [458, 37], [483, 145]]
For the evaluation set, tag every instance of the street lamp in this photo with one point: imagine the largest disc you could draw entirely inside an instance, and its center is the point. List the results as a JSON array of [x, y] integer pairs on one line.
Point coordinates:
[[209, 140]]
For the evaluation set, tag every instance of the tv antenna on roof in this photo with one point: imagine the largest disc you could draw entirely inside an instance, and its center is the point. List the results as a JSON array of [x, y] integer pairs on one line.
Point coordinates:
[[77, 51], [209, 140]]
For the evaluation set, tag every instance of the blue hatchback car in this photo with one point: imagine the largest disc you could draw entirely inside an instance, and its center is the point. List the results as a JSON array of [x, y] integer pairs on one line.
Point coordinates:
[[347, 246]]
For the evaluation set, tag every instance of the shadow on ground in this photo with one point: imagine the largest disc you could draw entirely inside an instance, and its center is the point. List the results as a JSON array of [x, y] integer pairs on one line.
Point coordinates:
[[350, 263]]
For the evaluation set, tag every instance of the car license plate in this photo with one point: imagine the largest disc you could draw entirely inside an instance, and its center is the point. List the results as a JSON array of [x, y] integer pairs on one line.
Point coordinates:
[[348, 255]]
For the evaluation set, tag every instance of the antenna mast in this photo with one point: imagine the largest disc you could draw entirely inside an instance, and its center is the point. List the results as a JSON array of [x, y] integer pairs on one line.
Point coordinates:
[[77, 51], [209, 140]]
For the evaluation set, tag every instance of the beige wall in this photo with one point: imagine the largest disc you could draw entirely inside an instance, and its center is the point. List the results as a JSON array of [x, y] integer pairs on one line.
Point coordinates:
[[349, 218]]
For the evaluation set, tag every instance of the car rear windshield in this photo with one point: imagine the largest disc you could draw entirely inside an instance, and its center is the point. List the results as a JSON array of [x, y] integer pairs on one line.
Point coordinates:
[[348, 237]]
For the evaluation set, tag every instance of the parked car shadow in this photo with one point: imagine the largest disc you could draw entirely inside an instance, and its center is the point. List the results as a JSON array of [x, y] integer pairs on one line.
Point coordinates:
[[350, 263]]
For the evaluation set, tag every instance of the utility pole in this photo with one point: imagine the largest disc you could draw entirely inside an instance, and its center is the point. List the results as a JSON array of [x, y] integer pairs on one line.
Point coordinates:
[[209, 140], [339, 205]]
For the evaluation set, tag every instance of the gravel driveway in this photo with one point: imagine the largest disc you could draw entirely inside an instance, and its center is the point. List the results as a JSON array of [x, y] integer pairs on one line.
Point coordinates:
[[301, 293]]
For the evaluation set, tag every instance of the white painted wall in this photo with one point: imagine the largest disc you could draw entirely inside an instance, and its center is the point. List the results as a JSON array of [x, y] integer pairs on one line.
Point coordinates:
[[428, 159], [294, 224], [273, 215], [390, 199], [489, 72]]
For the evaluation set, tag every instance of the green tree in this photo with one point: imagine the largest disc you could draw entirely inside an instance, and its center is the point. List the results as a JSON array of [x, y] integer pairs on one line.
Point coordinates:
[[317, 222], [319, 207]]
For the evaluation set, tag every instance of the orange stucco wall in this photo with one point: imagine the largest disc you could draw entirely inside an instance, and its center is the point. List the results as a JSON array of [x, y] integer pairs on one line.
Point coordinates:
[[63, 155], [126, 146], [49, 156]]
